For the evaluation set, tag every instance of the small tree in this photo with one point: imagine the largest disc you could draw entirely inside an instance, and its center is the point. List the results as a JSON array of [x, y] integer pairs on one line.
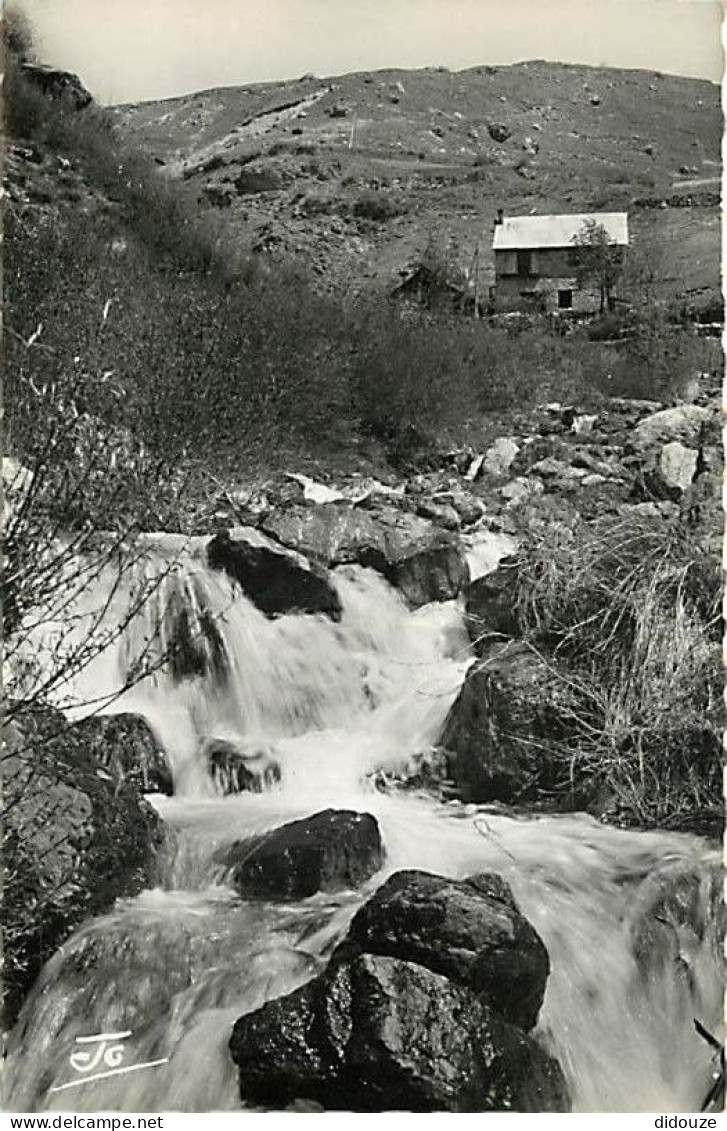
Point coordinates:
[[597, 261]]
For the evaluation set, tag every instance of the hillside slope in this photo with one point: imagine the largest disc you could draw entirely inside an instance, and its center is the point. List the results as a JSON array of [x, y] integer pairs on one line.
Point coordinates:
[[355, 175]]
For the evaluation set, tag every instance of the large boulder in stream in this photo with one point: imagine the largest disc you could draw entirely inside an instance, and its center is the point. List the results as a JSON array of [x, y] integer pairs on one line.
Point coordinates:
[[470, 931], [424, 561], [383, 1030], [504, 733], [125, 745], [330, 851], [76, 838], [276, 580]]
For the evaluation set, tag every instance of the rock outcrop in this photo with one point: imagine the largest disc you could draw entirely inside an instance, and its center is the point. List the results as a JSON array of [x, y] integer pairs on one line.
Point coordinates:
[[418, 557], [58, 85], [385, 1029], [505, 730], [470, 931], [276, 580], [76, 838], [329, 851]]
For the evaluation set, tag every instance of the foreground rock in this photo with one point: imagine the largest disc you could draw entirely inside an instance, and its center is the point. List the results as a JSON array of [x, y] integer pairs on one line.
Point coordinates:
[[504, 732], [470, 931], [278, 581], [125, 745], [330, 851], [380, 1031], [421, 559], [76, 839]]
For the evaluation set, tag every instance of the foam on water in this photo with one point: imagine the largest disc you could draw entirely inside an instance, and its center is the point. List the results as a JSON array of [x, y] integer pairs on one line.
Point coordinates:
[[337, 702]]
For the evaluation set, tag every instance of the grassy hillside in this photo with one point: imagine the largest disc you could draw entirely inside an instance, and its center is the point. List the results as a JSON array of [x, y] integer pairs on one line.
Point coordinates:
[[288, 164]]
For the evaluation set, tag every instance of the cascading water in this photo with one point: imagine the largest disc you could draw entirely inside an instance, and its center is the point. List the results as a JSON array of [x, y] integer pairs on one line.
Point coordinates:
[[334, 703]]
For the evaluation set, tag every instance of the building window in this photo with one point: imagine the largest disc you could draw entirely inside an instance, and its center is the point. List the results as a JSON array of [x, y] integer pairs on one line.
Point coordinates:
[[524, 263], [565, 300]]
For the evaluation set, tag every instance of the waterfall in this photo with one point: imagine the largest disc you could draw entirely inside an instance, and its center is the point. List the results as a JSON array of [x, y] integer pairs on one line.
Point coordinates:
[[339, 706]]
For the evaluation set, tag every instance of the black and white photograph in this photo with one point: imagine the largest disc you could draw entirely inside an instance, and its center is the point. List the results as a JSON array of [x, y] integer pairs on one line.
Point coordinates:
[[362, 578]]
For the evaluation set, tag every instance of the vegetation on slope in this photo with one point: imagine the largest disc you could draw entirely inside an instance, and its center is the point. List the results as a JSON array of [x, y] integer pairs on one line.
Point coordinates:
[[627, 611]]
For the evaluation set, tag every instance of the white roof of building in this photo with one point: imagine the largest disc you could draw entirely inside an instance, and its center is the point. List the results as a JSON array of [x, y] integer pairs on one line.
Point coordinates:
[[521, 232]]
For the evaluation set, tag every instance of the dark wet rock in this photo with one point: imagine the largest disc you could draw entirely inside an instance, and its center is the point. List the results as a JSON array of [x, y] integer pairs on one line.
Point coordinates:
[[277, 580], [76, 838], [490, 605], [125, 745], [470, 931], [329, 851], [424, 561], [507, 728], [234, 770], [379, 1033]]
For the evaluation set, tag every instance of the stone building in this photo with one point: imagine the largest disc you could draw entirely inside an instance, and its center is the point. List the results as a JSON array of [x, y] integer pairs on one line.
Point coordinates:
[[534, 268]]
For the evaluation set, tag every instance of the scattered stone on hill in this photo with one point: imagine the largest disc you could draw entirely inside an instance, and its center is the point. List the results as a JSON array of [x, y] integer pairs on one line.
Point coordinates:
[[505, 729], [499, 456], [490, 612], [442, 513], [419, 1010], [499, 132], [125, 745], [519, 490], [424, 561], [276, 579], [470, 931], [329, 851], [583, 424], [234, 769], [76, 839], [674, 471], [683, 422], [469, 508], [557, 474]]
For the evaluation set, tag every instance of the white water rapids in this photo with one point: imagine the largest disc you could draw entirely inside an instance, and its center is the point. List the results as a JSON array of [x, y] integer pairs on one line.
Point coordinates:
[[335, 703]]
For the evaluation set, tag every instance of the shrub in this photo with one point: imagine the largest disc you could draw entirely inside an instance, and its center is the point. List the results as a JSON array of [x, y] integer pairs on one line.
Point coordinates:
[[373, 206], [628, 610]]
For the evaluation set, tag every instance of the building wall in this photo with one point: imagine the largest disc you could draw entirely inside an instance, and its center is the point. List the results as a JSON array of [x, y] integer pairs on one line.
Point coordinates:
[[550, 273], [542, 295]]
